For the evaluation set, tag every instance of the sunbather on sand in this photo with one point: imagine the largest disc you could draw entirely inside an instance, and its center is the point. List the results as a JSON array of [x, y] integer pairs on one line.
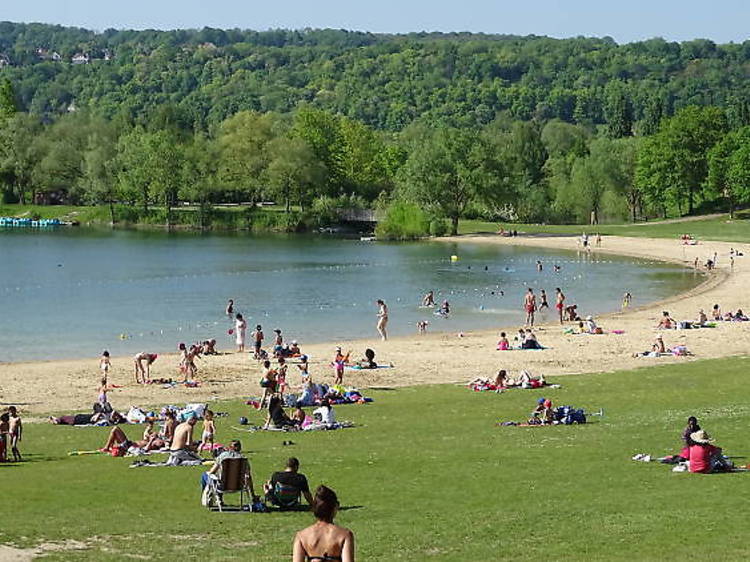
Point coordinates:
[[666, 322]]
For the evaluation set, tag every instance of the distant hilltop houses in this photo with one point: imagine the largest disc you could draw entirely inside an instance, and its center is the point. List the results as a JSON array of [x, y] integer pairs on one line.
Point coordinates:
[[48, 55]]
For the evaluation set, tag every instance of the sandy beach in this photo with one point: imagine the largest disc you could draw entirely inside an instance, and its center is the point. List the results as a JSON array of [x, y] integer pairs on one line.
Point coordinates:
[[65, 386]]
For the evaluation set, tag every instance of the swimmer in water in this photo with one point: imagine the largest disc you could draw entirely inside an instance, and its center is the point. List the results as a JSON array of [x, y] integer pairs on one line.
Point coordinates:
[[230, 308], [429, 299], [445, 308], [539, 266], [556, 268]]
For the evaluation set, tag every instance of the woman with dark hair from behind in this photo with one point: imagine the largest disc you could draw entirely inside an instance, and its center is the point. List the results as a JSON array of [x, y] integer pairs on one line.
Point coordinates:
[[323, 540], [692, 427]]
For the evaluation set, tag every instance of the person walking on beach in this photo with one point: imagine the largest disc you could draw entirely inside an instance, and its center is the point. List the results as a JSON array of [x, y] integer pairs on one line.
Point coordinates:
[[15, 430], [382, 319], [529, 305], [559, 303], [239, 329], [544, 303]]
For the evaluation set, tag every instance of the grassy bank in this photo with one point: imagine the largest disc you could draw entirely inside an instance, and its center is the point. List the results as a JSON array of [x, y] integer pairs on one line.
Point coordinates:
[[426, 475], [714, 228]]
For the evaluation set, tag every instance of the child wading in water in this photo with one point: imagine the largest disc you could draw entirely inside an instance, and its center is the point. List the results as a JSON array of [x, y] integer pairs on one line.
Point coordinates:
[[207, 439]]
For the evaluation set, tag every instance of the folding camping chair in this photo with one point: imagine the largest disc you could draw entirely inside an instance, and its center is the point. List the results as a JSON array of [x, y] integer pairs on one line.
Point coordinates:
[[234, 478]]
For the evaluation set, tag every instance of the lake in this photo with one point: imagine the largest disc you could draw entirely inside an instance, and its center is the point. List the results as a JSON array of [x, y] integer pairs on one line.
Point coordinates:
[[71, 293]]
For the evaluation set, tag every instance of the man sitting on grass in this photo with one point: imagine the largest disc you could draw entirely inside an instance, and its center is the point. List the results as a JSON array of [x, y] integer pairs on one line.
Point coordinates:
[[284, 488], [182, 450]]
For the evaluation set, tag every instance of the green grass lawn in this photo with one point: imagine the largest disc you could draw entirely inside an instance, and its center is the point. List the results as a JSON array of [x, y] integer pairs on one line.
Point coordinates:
[[737, 230], [426, 476]]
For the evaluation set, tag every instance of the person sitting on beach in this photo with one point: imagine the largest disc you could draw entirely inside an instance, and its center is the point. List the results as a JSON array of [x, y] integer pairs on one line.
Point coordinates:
[[530, 341], [666, 322], [703, 456], [209, 347], [503, 344], [716, 312], [325, 413], [368, 362], [298, 415], [283, 489], [739, 316], [591, 327], [293, 350], [324, 540], [183, 450], [276, 417], [702, 318], [571, 313], [142, 362]]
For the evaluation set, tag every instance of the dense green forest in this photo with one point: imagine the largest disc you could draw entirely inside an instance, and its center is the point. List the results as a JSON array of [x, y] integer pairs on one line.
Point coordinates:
[[426, 126]]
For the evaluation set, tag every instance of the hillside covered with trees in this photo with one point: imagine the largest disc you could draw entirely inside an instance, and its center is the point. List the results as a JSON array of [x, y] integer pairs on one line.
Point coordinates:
[[431, 126]]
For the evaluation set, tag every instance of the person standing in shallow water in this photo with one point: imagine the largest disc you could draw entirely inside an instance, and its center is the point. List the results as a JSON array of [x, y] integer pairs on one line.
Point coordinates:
[[240, 326], [382, 319]]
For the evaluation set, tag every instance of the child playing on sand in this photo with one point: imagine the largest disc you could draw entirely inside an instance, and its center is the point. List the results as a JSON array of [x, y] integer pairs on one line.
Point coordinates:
[[268, 382], [339, 361], [281, 376], [257, 341], [422, 327], [304, 368], [503, 344], [104, 363], [207, 438]]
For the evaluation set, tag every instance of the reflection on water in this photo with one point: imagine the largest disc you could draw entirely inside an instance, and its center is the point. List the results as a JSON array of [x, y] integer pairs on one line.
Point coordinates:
[[72, 293]]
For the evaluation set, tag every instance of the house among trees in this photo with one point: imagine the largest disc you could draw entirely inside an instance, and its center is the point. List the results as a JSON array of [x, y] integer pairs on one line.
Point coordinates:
[[45, 54], [81, 58], [4, 60], [107, 54]]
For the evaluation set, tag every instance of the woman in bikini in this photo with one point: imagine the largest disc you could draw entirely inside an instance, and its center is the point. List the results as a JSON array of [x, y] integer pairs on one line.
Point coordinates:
[[382, 319], [324, 541]]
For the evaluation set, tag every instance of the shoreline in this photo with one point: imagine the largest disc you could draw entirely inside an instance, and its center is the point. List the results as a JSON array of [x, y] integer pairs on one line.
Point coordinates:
[[66, 385]]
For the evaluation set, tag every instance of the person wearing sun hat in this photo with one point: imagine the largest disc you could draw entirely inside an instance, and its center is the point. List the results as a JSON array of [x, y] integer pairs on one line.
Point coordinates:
[[704, 457]]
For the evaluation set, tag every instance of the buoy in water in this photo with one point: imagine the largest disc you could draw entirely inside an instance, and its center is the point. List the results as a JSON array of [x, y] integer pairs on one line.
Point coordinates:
[[454, 258]]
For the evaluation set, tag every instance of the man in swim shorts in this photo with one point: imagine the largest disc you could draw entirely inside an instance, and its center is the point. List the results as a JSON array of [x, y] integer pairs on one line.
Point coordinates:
[[182, 450], [559, 303], [529, 305]]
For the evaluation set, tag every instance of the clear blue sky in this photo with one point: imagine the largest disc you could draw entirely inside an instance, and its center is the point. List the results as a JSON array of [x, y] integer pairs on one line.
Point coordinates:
[[625, 20]]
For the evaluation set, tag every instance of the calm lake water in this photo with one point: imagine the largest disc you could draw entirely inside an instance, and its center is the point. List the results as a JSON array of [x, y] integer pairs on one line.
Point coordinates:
[[74, 292]]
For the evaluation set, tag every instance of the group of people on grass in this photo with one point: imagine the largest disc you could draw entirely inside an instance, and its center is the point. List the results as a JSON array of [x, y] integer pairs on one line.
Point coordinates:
[[698, 454]]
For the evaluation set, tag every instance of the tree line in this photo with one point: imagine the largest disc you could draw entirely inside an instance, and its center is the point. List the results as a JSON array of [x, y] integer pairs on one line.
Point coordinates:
[[574, 131]]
